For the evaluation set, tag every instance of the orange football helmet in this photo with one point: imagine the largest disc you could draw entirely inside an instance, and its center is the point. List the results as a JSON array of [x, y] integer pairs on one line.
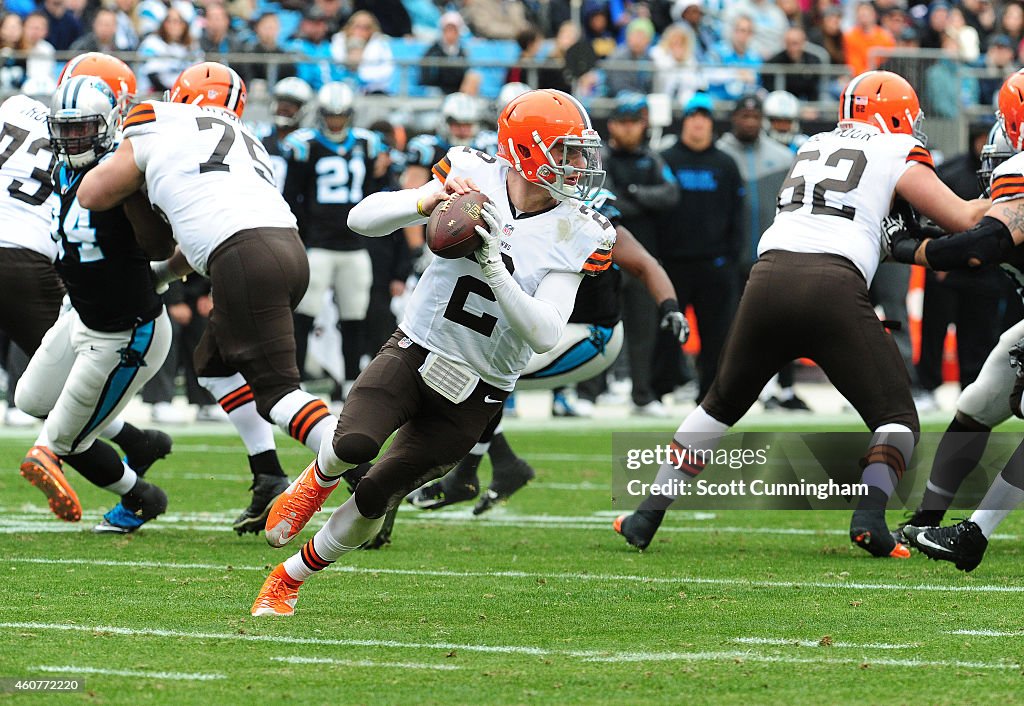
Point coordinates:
[[212, 84], [1011, 109], [114, 72], [885, 100], [546, 135]]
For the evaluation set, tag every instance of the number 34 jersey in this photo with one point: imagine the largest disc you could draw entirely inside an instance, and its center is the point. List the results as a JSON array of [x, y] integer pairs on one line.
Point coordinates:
[[838, 191], [453, 311], [206, 172]]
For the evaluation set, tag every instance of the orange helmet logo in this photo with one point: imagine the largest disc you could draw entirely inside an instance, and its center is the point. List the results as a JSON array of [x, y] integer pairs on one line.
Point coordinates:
[[1011, 109], [882, 99], [210, 84], [546, 135]]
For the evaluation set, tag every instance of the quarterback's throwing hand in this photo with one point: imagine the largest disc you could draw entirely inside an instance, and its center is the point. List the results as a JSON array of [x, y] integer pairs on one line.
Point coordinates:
[[489, 252]]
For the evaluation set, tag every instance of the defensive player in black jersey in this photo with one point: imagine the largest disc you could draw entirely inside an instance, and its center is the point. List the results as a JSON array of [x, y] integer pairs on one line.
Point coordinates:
[[292, 98], [590, 344], [331, 169], [116, 335]]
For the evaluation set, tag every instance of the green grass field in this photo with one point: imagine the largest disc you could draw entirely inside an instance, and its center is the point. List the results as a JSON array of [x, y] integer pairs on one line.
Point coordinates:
[[538, 602]]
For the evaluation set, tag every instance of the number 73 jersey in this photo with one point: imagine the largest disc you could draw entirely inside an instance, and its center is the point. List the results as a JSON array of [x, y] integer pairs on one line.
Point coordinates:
[[206, 172], [838, 190]]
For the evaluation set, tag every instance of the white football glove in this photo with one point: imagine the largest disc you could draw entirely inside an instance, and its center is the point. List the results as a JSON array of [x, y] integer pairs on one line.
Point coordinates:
[[488, 255], [162, 276]]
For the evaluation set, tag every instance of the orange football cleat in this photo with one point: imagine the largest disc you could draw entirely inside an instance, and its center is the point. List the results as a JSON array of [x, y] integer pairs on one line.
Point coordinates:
[[295, 507], [42, 468], [278, 595]]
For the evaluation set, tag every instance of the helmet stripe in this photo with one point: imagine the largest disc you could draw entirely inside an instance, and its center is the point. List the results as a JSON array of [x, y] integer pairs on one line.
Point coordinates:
[[77, 81], [579, 107], [848, 97], [236, 87]]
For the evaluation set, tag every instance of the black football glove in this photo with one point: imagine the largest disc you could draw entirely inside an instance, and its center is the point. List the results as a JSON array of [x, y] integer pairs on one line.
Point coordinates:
[[900, 238], [1017, 363], [674, 320]]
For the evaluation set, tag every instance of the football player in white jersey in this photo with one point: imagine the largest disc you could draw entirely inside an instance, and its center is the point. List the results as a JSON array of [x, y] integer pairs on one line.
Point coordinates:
[[996, 238], [212, 180], [470, 327], [28, 280], [807, 297]]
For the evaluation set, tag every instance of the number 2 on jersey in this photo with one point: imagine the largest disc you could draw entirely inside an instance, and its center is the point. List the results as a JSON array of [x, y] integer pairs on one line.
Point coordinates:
[[857, 161], [216, 162]]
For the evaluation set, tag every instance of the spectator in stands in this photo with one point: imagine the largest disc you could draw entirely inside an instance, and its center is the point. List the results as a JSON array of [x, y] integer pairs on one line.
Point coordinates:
[[364, 51], [934, 31], [217, 37], [731, 83], [803, 85], [266, 31], [865, 35], [64, 26], [676, 71], [894, 20], [966, 36], [645, 189], [495, 19], [636, 51], [699, 240], [690, 13], [103, 37], [40, 62], [127, 37], [313, 42], [390, 15], [597, 28], [448, 46], [1011, 22], [830, 35], [948, 88], [169, 51], [770, 23], [12, 71], [425, 17], [530, 42], [999, 59]]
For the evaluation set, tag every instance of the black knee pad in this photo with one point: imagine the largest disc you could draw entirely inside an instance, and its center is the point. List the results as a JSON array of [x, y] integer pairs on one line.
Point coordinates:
[[371, 498], [354, 448]]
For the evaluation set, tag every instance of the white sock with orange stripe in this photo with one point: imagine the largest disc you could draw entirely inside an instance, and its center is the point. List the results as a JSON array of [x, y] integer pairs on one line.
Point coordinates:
[[346, 529], [303, 417], [235, 397]]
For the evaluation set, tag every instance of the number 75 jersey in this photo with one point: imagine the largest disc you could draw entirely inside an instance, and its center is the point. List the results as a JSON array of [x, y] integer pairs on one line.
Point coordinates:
[[206, 172], [838, 190]]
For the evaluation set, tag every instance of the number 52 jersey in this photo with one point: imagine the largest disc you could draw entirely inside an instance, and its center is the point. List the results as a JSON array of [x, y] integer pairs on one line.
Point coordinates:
[[206, 172], [838, 190]]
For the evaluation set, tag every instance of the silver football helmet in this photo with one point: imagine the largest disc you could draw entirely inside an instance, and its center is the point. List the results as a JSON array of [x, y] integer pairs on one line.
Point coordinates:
[[82, 121], [462, 112], [997, 150], [292, 90], [335, 99], [780, 108]]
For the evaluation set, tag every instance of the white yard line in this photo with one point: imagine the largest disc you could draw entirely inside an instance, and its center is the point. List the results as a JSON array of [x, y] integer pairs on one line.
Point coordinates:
[[564, 576], [988, 633], [365, 663], [75, 670], [585, 655], [783, 642]]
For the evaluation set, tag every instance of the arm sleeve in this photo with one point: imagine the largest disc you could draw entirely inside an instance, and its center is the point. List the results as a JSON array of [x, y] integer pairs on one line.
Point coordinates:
[[384, 212], [539, 319]]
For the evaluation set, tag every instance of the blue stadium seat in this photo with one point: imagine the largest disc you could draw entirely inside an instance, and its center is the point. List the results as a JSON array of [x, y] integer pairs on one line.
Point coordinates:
[[503, 50], [405, 49]]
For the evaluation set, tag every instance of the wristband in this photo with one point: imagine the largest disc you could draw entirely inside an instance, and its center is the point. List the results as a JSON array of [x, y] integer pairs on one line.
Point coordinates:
[[419, 209]]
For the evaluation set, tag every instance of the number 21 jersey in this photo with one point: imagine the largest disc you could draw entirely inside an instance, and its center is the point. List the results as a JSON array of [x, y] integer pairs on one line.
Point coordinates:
[[207, 173], [838, 191]]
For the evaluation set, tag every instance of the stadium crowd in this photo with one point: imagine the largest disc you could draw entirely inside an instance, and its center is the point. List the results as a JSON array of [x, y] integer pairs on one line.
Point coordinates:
[[707, 56]]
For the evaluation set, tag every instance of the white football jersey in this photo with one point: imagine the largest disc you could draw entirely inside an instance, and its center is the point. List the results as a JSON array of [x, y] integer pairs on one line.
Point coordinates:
[[1008, 179], [207, 173], [27, 199], [453, 312], [838, 191]]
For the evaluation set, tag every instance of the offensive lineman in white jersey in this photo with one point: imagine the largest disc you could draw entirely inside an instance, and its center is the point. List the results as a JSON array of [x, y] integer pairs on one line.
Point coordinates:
[[213, 181], [469, 329], [808, 297], [996, 238]]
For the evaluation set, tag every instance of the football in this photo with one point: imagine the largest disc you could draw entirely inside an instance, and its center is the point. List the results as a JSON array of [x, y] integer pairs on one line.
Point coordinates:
[[451, 231]]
